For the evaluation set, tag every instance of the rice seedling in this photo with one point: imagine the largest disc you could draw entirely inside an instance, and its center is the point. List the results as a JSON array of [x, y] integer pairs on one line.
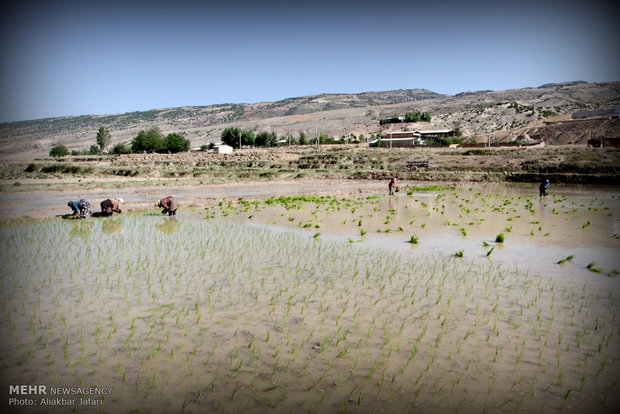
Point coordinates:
[[247, 304]]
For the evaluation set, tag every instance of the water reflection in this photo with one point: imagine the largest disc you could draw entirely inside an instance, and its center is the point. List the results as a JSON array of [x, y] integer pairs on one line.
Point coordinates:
[[169, 226], [81, 229], [112, 226]]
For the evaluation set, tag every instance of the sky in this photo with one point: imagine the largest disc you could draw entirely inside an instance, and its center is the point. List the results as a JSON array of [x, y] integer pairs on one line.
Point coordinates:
[[81, 57]]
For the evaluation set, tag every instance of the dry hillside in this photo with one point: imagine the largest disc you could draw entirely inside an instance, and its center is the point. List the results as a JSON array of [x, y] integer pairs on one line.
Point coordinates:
[[505, 114]]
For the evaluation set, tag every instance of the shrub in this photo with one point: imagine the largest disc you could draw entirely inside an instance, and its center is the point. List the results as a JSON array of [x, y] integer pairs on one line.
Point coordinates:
[[59, 151], [121, 148]]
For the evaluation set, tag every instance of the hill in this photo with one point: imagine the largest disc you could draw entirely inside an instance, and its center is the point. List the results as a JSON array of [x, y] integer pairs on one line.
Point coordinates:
[[505, 114]]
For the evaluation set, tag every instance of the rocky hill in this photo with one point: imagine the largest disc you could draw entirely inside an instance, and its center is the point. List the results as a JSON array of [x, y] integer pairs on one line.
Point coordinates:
[[503, 114]]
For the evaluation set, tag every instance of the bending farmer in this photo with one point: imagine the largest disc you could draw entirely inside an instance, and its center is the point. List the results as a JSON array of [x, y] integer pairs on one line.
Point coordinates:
[[169, 204], [112, 205], [80, 208]]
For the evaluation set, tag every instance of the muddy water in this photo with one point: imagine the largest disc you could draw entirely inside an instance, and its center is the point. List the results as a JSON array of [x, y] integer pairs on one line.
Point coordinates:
[[249, 312], [21, 204], [538, 232]]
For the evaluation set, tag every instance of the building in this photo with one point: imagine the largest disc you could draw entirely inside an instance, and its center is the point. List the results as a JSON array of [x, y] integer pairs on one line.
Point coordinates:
[[604, 142], [408, 139], [223, 149], [601, 114]]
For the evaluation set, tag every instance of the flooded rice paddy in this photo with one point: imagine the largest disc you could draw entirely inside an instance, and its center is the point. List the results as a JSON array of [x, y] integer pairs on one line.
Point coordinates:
[[359, 304]]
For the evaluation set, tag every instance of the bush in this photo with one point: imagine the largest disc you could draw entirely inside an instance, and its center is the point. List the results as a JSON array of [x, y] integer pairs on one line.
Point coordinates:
[[121, 149], [59, 151]]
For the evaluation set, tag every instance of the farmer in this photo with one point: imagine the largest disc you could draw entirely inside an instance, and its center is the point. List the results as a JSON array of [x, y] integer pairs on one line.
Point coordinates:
[[543, 188], [169, 204], [111, 205], [80, 208], [392, 185]]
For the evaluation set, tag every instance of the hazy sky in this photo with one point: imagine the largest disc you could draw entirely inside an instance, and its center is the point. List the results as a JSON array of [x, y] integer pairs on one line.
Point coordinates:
[[81, 57]]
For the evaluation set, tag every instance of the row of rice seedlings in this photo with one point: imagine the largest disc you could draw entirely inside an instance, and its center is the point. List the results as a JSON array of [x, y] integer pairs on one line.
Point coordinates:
[[238, 318]]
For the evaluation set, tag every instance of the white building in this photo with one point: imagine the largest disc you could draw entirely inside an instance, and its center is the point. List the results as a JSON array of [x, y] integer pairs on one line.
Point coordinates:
[[223, 149]]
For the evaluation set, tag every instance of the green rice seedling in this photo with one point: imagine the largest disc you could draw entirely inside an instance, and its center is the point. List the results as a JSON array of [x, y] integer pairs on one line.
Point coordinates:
[[568, 258], [593, 269], [490, 251], [414, 239], [459, 253], [499, 238]]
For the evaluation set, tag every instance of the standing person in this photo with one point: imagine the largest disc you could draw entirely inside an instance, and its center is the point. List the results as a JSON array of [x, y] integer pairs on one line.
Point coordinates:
[[111, 205], [80, 208], [543, 188], [169, 204], [392, 185]]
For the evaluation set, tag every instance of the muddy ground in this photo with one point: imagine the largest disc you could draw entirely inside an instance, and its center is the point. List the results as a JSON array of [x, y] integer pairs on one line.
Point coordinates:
[[38, 187]]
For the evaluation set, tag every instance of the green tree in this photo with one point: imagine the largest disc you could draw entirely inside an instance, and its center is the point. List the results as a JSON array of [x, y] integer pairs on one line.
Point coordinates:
[[103, 138], [59, 151], [149, 141], [247, 137], [230, 136], [266, 139], [303, 138], [95, 150], [176, 143]]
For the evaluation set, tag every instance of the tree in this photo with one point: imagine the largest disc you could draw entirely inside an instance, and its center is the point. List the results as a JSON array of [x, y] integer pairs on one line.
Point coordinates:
[[176, 143], [103, 138], [95, 150], [247, 137], [303, 138], [230, 137], [149, 141], [59, 151], [266, 139]]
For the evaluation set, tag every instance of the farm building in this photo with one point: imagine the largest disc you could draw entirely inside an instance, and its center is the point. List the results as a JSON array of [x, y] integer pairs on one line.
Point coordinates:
[[411, 138], [223, 149], [604, 142]]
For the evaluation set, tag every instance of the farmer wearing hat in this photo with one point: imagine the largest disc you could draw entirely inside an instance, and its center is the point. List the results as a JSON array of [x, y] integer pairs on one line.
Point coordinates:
[[543, 187], [169, 204], [111, 205], [80, 208]]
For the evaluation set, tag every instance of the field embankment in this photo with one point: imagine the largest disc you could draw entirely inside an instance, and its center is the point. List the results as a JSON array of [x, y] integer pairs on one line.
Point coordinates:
[[561, 164]]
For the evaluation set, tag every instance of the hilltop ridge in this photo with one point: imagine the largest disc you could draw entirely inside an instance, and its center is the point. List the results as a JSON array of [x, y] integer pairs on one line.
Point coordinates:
[[476, 114]]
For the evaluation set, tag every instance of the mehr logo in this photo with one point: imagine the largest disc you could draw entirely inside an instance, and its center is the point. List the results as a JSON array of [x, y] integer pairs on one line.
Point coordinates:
[[27, 389]]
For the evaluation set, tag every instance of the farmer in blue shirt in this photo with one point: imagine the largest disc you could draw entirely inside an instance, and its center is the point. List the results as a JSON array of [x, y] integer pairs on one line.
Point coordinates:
[[543, 188], [80, 208]]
